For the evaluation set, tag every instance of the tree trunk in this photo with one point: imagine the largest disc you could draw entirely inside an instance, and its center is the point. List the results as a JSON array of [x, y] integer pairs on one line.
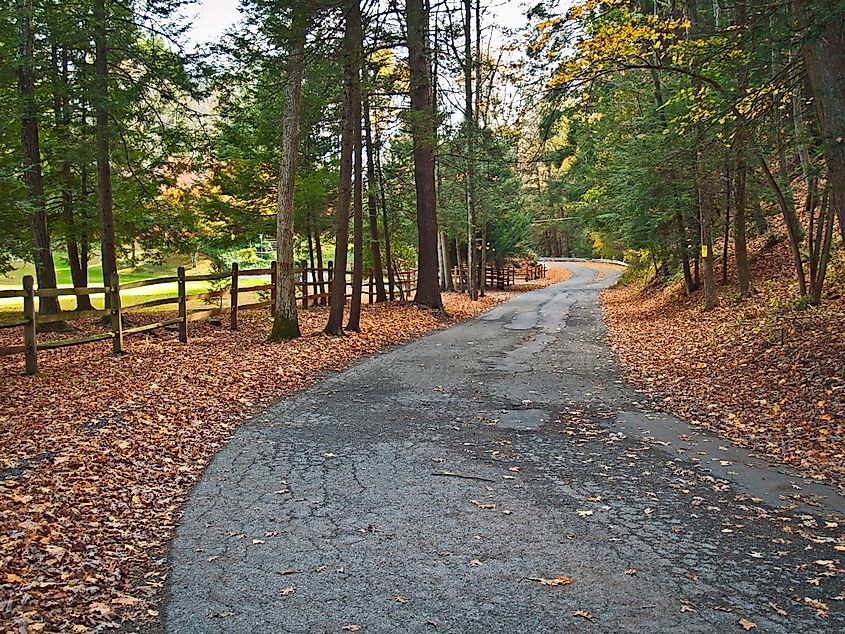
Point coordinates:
[[743, 272], [285, 321], [461, 285], [820, 248], [840, 212], [445, 275], [84, 193], [310, 237], [388, 259], [62, 119], [372, 207], [344, 190], [469, 122], [354, 322], [447, 262], [424, 132], [696, 271], [441, 261], [824, 55], [704, 181], [478, 119], [318, 248], [101, 132], [483, 264], [45, 270], [705, 203], [740, 179]]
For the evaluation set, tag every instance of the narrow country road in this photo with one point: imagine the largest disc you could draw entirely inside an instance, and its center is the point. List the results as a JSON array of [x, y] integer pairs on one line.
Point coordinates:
[[332, 511]]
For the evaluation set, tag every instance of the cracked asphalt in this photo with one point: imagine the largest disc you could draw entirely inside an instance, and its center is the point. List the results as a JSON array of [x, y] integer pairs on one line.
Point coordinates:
[[331, 511]]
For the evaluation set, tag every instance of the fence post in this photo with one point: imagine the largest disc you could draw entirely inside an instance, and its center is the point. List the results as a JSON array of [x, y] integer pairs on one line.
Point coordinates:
[[233, 298], [370, 288], [29, 337], [274, 274], [183, 306], [116, 316]]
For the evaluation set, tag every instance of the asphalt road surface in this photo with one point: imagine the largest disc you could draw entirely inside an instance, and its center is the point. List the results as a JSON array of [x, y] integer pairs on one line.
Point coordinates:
[[433, 488]]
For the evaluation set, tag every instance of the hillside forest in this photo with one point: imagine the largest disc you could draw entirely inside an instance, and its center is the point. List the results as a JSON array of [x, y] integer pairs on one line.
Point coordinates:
[[668, 133]]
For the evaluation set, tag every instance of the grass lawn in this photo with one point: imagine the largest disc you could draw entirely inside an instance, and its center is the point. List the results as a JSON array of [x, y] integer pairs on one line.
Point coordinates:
[[11, 308], [143, 271]]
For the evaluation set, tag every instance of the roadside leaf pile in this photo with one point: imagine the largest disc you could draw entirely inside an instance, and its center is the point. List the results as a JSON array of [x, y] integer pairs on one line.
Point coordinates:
[[764, 372], [98, 451]]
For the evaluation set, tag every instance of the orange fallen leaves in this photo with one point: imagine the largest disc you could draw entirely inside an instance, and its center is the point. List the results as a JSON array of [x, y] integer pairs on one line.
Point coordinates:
[[555, 581], [760, 373], [99, 450]]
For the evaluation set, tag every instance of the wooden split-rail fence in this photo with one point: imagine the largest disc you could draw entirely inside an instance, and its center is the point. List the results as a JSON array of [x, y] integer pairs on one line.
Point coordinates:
[[501, 277], [313, 288]]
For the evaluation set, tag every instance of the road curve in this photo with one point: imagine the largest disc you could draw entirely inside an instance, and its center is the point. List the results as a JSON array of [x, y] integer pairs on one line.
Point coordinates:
[[434, 487]]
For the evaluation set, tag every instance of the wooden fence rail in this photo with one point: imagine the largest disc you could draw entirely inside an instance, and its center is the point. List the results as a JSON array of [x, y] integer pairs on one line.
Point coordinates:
[[501, 277], [312, 288]]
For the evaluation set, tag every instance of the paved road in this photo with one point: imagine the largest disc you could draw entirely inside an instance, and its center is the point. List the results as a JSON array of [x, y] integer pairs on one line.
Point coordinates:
[[330, 511]]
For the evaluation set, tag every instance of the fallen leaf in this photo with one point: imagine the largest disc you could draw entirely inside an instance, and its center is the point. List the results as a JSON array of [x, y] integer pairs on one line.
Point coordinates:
[[821, 606], [746, 624], [556, 581], [776, 608], [352, 627], [584, 614]]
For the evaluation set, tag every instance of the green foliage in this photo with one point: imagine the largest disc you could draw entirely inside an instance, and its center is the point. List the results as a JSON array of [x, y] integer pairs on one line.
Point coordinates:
[[154, 129]]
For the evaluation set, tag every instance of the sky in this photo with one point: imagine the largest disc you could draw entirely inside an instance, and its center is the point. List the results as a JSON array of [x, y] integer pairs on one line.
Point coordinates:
[[213, 17]]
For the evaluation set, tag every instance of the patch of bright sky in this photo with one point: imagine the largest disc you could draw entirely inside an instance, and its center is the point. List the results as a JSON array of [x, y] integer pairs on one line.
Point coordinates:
[[210, 18]]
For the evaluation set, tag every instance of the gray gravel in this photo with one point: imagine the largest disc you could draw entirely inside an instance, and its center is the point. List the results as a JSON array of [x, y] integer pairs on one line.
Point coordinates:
[[329, 511]]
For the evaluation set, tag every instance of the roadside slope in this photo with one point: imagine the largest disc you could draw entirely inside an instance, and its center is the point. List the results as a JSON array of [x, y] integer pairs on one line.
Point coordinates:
[[763, 372]]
